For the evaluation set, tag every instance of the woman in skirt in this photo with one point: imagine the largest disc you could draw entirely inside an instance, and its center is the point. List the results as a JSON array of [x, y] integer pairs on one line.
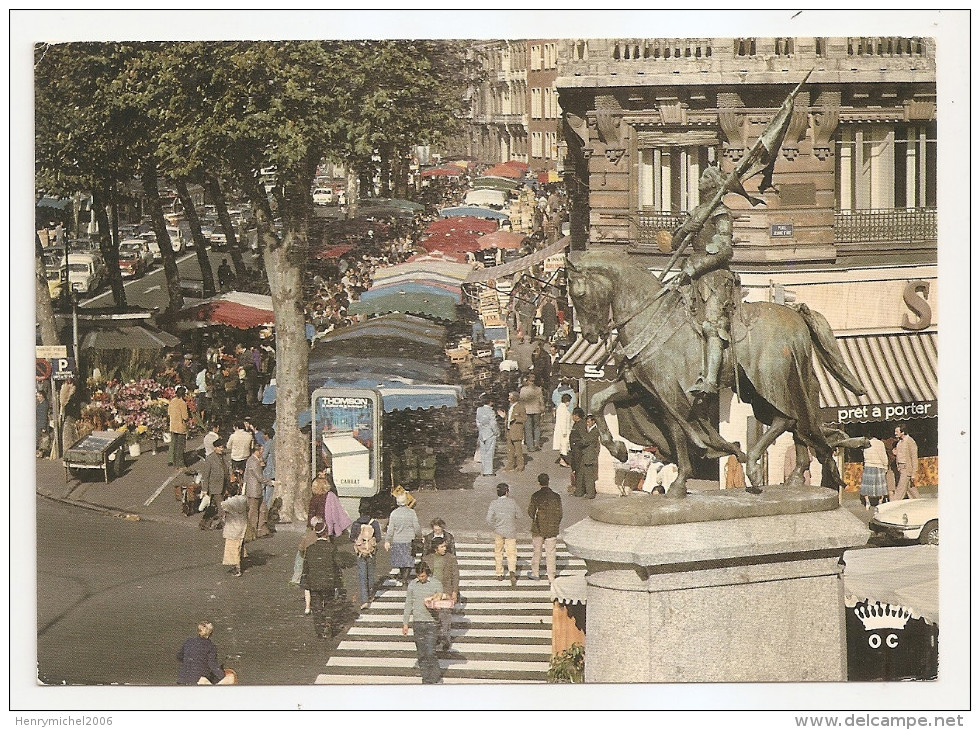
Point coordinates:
[[873, 484], [403, 527]]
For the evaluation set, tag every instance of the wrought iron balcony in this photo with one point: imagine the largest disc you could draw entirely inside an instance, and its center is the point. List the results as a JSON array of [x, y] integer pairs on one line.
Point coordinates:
[[916, 225], [650, 223]]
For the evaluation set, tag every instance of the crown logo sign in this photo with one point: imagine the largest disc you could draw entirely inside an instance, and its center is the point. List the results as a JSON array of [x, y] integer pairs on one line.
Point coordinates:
[[877, 616]]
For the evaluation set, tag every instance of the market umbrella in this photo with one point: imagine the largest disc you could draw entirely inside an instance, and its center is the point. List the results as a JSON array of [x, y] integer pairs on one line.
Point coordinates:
[[461, 241], [413, 287], [442, 172], [518, 165], [495, 183], [242, 310], [462, 223], [503, 239], [504, 171], [437, 306], [470, 210], [128, 336]]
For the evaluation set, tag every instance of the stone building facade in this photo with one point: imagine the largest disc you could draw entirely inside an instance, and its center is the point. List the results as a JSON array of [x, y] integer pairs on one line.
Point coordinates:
[[850, 227]]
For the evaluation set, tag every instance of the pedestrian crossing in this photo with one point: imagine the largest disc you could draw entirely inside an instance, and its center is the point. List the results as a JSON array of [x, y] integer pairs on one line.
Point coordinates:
[[501, 633]]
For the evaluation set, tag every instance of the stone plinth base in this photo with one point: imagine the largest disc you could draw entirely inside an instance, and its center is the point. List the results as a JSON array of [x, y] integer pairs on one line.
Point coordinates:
[[752, 599]]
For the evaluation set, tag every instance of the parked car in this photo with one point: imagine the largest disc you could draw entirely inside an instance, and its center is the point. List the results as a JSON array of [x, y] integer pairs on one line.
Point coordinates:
[[131, 264], [909, 519], [218, 240], [140, 247], [323, 196], [177, 240], [86, 272], [53, 258], [56, 282]]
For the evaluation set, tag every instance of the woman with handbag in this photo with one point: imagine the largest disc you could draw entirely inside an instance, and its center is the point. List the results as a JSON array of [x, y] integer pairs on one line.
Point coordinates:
[[403, 527]]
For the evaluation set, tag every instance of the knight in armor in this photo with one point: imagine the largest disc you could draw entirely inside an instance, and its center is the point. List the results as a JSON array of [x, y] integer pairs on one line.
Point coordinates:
[[712, 282]]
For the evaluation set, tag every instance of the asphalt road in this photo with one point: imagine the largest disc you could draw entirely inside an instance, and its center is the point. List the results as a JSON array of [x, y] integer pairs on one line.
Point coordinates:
[[117, 598]]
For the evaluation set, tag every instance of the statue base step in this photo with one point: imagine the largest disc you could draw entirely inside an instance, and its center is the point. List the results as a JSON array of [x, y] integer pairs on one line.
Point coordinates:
[[744, 599]]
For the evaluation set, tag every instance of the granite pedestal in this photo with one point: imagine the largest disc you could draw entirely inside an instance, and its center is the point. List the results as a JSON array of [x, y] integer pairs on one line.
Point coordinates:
[[690, 591]]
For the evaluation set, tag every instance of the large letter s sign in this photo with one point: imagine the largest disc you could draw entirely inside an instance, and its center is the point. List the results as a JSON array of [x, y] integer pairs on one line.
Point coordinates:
[[918, 304]]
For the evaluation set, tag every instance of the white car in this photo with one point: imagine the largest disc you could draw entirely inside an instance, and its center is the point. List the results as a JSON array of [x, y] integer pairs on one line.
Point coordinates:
[[909, 519], [323, 196]]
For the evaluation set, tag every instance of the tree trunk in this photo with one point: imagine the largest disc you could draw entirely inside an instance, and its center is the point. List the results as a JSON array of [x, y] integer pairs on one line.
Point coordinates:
[[200, 245], [42, 298], [399, 168], [385, 187], [151, 194], [284, 268], [214, 191], [108, 244], [353, 188]]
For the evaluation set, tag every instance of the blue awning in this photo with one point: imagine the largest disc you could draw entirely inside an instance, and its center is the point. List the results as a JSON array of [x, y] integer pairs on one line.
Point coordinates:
[[397, 396], [472, 210]]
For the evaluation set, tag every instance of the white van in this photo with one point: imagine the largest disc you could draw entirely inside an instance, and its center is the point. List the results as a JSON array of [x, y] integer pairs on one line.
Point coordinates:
[[86, 272]]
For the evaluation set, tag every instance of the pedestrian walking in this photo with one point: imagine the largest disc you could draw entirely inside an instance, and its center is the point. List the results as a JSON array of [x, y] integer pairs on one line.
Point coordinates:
[[532, 398], [438, 526], [516, 417], [873, 484], [216, 483], [235, 510], [240, 445], [423, 623], [316, 508], [445, 569], [403, 527], [198, 657], [575, 438], [255, 482], [42, 414], [366, 534], [502, 518], [487, 433], [907, 459], [177, 410], [321, 574], [588, 461], [563, 429], [545, 513]]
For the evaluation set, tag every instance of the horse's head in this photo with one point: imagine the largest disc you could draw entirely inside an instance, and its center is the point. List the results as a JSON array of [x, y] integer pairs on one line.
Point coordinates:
[[591, 293]]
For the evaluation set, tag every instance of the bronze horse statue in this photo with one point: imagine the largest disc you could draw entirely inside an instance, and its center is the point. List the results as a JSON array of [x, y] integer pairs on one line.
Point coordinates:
[[769, 364]]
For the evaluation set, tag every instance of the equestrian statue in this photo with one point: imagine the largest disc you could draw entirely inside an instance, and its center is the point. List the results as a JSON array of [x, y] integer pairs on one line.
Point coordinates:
[[697, 323]]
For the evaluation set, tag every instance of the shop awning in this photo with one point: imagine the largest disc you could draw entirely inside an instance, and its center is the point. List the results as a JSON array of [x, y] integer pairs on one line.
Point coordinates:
[[420, 269], [471, 210], [902, 576], [458, 241], [582, 360], [496, 183], [463, 223], [420, 286], [899, 371], [503, 239], [241, 310], [442, 172], [407, 370], [401, 326], [521, 264], [128, 337], [429, 305], [505, 171], [397, 396]]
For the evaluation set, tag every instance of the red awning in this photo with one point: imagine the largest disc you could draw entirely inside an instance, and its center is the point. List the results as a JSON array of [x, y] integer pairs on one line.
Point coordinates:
[[235, 309], [502, 239], [442, 172], [504, 171], [459, 241], [517, 164], [461, 223], [334, 252]]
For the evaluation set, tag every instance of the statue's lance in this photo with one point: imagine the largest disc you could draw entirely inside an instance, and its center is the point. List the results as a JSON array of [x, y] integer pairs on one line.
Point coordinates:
[[761, 158]]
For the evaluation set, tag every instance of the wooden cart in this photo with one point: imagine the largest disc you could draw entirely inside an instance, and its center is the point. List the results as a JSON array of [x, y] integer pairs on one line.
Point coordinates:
[[103, 450]]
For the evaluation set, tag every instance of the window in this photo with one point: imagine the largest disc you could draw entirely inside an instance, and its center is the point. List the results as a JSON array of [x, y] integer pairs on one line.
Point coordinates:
[[885, 166], [536, 144], [669, 177], [535, 102], [535, 58]]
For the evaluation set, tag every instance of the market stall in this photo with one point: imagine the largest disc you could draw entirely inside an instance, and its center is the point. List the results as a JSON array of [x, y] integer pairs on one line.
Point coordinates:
[[99, 450]]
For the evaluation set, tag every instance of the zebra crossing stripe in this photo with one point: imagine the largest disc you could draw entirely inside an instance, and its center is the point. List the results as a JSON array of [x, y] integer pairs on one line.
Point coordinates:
[[501, 633]]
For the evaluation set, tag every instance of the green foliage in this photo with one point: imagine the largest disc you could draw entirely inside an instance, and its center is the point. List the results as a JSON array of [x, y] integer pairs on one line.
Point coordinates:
[[568, 666]]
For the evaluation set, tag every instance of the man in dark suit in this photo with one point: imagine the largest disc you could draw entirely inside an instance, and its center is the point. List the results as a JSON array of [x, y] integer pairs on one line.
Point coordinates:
[[587, 471], [575, 443], [215, 481]]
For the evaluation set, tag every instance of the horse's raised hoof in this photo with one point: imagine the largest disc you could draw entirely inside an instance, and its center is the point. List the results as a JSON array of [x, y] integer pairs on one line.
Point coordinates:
[[753, 490]]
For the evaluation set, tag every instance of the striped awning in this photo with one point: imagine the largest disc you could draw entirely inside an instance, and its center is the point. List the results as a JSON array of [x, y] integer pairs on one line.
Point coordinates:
[[521, 264], [582, 360], [899, 370]]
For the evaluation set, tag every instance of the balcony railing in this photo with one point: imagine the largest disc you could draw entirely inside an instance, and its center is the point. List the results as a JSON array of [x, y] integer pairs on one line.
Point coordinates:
[[882, 226], [650, 224]]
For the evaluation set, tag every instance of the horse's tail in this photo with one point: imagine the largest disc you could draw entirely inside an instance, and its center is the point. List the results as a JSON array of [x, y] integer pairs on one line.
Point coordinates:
[[827, 350]]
